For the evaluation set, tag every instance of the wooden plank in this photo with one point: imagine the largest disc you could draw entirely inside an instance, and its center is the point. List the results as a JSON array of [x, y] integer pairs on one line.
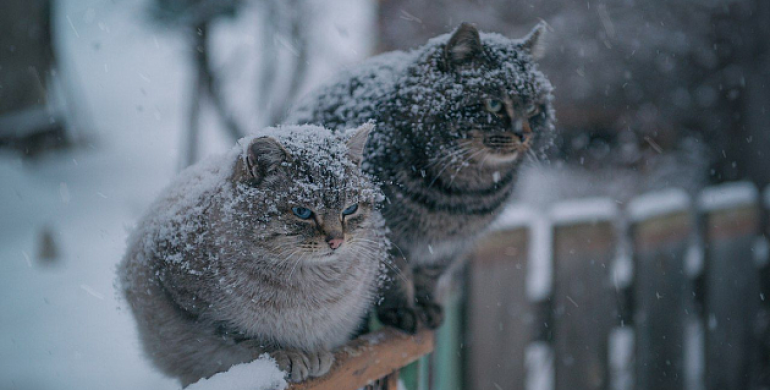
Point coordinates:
[[584, 303], [499, 316], [391, 381], [371, 357], [662, 297], [732, 293]]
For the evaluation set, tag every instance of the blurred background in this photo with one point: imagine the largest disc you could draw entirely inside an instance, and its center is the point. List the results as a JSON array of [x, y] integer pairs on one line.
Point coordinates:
[[103, 102]]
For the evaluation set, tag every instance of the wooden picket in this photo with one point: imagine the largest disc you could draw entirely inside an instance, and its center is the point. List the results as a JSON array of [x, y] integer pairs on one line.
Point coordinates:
[[732, 297], [500, 321], [584, 306], [661, 232], [695, 304]]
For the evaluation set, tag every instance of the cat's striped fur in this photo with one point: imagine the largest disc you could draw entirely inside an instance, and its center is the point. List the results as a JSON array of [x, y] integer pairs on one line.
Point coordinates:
[[454, 120]]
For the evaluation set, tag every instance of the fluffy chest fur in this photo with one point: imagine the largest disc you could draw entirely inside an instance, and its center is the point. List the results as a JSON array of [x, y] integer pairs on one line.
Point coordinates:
[[302, 307]]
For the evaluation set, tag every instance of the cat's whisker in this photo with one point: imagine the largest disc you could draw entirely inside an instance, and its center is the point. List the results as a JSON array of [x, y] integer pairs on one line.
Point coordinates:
[[444, 161], [463, 153], [455, 151], [395, 246], [302, 257], [484, 160], [370, 247], [464, 164], [293, 253], [396, 271], [534, 158], [361, 239]]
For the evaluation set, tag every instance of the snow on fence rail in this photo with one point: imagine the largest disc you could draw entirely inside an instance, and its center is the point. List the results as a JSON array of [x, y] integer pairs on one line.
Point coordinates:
[[692, 312]]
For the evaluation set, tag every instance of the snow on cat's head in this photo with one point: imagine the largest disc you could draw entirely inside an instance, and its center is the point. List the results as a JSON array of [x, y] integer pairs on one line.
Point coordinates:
[[481, 95], [303, 192]]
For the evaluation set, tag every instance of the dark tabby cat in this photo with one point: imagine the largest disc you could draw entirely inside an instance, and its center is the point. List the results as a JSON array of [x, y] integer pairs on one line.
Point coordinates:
[[273, 248], [454, 120]]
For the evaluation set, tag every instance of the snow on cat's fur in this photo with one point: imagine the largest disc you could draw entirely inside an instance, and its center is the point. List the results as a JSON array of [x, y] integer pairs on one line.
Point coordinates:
[[223, 269], [454, 118]]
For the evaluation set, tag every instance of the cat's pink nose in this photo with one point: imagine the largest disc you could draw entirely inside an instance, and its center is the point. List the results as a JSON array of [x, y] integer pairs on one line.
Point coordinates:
[[335, 243]]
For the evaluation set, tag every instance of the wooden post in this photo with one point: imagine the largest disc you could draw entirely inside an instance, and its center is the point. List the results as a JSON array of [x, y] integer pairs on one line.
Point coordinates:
[[661, 231], [584, 304], [500, 320], [391, 381], [732, 293], [371, 357]]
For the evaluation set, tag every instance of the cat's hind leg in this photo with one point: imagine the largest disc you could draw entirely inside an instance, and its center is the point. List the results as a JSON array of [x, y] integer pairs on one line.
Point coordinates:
[[429, 311], [396, 307]]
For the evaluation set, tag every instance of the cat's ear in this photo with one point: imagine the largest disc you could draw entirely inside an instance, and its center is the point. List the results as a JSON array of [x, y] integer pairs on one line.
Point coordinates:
[[464, 45], [357, 141], [263, 157], [534, 42]]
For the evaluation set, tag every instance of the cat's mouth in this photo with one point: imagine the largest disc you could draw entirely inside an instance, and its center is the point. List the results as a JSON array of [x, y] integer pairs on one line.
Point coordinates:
[[495, 147], [505, 146], [500, 143], [319, 253]]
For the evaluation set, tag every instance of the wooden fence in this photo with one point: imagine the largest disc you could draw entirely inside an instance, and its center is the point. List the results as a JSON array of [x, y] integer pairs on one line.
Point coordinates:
[[666, 292], [669, 291]]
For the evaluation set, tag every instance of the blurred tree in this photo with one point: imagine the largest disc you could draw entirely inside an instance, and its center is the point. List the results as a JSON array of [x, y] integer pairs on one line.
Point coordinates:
[[47, 251], [196, 18], [29, 121]]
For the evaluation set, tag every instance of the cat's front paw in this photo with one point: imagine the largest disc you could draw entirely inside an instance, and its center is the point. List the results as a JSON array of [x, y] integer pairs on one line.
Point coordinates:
[[300, 366], [319, 362], [404, 318], [431, 314], [295, 364]]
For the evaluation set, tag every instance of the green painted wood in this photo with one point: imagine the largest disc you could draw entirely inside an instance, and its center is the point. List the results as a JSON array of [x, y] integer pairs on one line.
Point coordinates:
[[447, 358], [410, 375], [424, 370]]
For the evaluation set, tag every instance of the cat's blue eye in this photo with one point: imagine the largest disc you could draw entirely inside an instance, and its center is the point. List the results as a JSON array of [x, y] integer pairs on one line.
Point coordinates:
[[350, 210], [493, 105], [302, 212]]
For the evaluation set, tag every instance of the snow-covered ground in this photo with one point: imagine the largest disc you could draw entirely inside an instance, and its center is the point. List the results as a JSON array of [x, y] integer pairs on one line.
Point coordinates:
[[62, 326]]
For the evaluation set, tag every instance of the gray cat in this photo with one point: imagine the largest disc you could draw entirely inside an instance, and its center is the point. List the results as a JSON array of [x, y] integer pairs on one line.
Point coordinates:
[[455, 118], [273, 248]]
